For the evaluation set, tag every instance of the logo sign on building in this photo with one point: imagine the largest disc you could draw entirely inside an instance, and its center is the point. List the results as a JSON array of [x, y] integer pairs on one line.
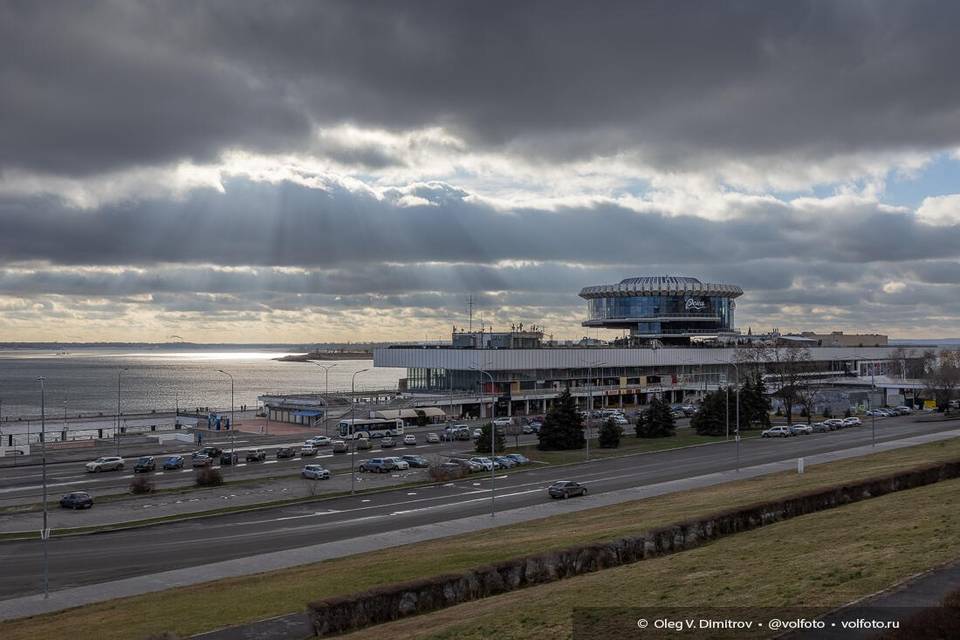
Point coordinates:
[[695, 304]]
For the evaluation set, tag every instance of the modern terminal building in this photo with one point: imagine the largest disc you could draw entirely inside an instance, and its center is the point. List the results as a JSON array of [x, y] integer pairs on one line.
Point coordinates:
[[681, 343]]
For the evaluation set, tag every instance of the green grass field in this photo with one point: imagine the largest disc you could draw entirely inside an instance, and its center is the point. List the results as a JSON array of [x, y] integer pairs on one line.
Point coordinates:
[[190, 610]]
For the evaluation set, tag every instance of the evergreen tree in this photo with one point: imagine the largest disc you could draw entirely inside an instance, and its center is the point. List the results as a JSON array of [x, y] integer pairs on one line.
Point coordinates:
[[483, 442], [563, 427], [711, 419], [657, 421], [609, 435]]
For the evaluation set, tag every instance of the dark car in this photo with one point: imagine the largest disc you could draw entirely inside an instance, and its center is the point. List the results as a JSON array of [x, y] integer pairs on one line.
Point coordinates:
[[213, 452], [229, 458], [566, 488], [286, 452], [173, 462], [256, 455], [144, 464], [76, 500], [416, 461]]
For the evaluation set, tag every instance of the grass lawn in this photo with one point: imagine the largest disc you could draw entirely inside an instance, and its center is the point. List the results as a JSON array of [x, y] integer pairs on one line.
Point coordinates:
[[830, 558], [190, 610], [628, 444]]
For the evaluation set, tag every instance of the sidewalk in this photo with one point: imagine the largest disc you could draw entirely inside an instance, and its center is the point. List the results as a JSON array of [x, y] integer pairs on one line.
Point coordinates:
[[78, 596]]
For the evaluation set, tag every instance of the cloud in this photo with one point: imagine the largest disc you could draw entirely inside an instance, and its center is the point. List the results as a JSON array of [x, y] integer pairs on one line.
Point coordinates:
[[940, 210]]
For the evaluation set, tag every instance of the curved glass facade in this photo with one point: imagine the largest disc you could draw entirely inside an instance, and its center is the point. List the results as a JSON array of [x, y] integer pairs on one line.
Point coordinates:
[[663, 314]]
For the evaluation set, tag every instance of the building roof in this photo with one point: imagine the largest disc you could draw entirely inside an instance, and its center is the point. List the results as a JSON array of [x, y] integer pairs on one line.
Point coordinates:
[[661, 285], [393, 414]]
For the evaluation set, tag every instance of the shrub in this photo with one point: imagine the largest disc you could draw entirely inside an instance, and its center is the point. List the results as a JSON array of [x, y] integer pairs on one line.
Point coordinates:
[[446, 474], [482, 445], [141, 485], [563, 427], [657, 421], [207, 477], [609, 435]]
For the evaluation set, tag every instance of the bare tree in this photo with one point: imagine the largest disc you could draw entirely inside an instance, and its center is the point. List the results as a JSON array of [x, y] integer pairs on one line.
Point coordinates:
[[788, 367], [942, 377]]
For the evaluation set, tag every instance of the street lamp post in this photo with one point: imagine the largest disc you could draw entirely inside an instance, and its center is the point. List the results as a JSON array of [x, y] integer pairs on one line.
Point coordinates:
[[493, 440], [326, 389], [116, 432], [233, 425], [45, 532], [353, 435], [590, 366], [736, 432]]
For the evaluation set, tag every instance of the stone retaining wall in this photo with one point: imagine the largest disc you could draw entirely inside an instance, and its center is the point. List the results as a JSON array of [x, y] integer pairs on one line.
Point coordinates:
[[390, 602]]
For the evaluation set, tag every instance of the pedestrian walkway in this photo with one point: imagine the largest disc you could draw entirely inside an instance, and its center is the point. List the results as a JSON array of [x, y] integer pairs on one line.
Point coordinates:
[[78, 596]]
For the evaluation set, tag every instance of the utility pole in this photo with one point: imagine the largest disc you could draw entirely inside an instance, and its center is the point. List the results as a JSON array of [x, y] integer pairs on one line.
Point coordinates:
[[45, 532], [353, 434], [233, 425], [493, 438], [116, 432], [326, 392], [590, 366]]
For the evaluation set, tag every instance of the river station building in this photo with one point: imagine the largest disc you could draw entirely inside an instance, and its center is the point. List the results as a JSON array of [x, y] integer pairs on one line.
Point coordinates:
[[681, 342]]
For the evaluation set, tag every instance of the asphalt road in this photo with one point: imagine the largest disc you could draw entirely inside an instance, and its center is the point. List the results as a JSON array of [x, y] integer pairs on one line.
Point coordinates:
[[108, 556]]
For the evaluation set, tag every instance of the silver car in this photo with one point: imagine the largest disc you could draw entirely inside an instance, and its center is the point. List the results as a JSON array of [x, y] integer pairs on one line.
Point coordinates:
[[105, 463], [315, 472]]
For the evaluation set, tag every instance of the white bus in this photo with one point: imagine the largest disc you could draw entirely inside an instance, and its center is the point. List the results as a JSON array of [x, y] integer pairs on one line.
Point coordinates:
[[369, 428]]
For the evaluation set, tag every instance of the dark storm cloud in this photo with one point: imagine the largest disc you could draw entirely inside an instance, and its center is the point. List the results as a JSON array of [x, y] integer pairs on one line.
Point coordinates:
[[86, 87]]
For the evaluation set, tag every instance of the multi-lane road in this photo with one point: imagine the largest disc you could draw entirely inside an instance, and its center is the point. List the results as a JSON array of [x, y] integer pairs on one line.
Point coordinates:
[[107, 556]]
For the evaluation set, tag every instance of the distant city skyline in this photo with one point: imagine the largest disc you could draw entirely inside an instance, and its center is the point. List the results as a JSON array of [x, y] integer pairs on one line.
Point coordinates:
[[338, 171]]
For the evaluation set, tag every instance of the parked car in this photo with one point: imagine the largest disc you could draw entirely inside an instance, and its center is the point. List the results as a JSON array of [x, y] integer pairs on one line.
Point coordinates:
[[504, 462], [105, 463], [801, 429], [144, 464], [376, 465], [467, 465], [202, 460], [213, 452], [308, 450], [339, 446], [821, 427], [315, 472], [527, 429], [519, 458], [776, 432], [486, 464], [566, 489], [621, 421], [76, 500], [319, 441], [387, 443], [409, 439], [173, 462], [904, 410], [399, 463], [835, 423], [461, 434], [432, 438], [502, 422], [477, 433], [229, 458], [852, 421], [416, 461], [285, 452], [362, 444], [256, 455]]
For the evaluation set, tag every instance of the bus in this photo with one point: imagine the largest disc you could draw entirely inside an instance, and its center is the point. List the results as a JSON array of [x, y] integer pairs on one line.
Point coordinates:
[[369, 428]]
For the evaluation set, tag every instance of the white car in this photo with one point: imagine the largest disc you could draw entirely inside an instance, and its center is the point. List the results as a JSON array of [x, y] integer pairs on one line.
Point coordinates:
[[502, 422], [319, 441], [315, 472], [106, 463], [409, 439], [776, 432], [399, 463], [432, 438], [485, 463], [308, 450], [477, 433], [852, 421], [620, 420]]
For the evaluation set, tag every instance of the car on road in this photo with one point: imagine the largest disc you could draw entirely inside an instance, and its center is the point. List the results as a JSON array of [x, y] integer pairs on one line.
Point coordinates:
[[173, 462], [105, 463], [377, 465], [566, 489], [904, 410], [432, 438], [363, 444], [256, 455], [319, 441], [202, 460], [519, 458], [852, 421], [486, 464], [409, 439], [308, 450], [339, 446], [315, 472], [229, 458], [399, 463], [285, 452], [213, 452], [387, 443], [76, 500], [416, 461], [776, 432], [801, 429], [144, 464]]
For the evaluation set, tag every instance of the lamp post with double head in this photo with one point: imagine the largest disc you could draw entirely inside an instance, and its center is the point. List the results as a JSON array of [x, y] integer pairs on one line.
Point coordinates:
[[326, 387], [116, 432], [233, 425], [353, 435], [590, 366], [493, 439], [45, 532]]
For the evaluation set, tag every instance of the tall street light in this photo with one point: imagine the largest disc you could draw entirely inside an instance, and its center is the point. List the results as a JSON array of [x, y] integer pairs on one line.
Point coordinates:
[[493, 439], [736, 432], [353, 435], [590, 366], [45, 532], [233, 424], [116, 432], [326, 387]]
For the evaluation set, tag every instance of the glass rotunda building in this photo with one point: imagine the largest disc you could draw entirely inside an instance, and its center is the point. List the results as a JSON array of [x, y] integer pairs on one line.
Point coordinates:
[[668, 309]]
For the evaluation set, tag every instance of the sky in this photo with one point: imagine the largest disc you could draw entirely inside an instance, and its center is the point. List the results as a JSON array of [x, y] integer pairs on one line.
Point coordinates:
[[342, 171]]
